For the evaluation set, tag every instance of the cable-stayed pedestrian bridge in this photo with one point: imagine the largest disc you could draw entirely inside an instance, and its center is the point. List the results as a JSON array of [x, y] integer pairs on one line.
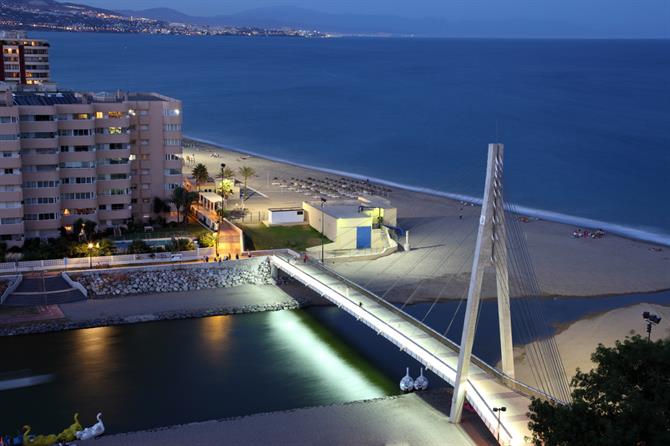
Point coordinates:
[[488, 390], [485, 386]]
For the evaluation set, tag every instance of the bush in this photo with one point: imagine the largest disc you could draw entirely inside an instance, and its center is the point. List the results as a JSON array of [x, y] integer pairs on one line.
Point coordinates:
[[138, 247], [207, 239], [181, 244]]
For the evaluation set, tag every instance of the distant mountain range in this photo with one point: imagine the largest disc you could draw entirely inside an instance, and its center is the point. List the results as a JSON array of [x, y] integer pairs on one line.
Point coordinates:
[[362, 24], [287, 20], [60, 16]]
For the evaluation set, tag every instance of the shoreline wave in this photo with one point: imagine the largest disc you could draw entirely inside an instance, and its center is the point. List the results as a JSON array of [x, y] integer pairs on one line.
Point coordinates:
[[558, 217]]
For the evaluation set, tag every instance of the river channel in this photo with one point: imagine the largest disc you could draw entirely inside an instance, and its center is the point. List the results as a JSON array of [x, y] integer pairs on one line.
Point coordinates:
[[157, 374]]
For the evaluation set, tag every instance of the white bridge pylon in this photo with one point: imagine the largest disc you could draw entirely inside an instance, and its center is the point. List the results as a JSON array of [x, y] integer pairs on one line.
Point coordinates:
[[490, 251]]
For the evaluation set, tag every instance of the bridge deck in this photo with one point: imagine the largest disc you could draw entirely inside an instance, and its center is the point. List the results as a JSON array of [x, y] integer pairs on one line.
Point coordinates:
[[419, 341]]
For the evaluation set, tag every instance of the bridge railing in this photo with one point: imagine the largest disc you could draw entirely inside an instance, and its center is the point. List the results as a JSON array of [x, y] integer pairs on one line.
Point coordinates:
[[487, 418], [504, 379]]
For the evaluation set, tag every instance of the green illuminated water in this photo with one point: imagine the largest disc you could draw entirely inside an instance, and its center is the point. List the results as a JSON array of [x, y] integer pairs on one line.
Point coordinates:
[[158, 374]]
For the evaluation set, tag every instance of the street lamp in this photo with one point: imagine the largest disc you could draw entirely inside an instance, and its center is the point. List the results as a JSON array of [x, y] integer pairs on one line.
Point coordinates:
[[323, 202], [218, 229], [497, 410], [90, 253], [652, 319]]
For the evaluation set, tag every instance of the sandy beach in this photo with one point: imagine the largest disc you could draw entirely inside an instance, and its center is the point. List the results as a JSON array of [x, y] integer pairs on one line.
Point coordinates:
[[579, 340], [439, 262], [411, 419]]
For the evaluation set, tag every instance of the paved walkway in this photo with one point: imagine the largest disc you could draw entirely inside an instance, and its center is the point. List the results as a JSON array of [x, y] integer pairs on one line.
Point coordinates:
[[147, 304], [49, 289], [405, 420], [433, 350]]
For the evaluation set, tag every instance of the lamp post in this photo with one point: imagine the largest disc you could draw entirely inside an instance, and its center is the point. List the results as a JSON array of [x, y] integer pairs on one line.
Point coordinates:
[[90, 253], [497, 410], [652, 319], [323, 202], [218, 229]]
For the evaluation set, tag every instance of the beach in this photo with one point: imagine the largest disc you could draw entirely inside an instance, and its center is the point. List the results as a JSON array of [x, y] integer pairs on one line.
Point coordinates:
[[578, 341], [439, 262]]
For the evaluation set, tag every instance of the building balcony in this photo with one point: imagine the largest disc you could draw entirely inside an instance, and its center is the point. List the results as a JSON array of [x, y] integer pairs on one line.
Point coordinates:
[[68, 220], [12, 229], [122, 214], [85, 140], [89, 203], [112, 199], [38, 126], [39, 143], [76, 124], [12, 196], [11, 212], [113, 122], [117, 153], [10, 163], [67, 157], [122, 138], [42, 225], [39, 160], [11, 180]]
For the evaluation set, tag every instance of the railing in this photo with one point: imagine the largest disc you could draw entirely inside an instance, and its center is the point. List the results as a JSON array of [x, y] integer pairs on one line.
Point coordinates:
[[105, 261], [11, 288], [407, 339], [502, 378]]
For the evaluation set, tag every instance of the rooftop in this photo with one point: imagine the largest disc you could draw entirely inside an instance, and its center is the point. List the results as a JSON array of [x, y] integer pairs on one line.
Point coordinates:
[[45, 98], [343, 211], [211, 197]]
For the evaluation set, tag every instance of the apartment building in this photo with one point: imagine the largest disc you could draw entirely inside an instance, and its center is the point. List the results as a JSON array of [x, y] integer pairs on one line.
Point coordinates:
[[25, 61], [99, 157]]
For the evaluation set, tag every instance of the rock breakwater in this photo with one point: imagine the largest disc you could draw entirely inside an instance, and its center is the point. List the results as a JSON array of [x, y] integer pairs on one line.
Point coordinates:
[[193, 277]]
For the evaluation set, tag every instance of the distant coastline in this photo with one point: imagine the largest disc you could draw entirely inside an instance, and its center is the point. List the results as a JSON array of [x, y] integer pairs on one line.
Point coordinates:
[[584, 222]]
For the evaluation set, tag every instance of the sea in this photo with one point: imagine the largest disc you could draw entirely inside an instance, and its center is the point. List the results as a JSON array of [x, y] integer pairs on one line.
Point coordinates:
[[585, 123]]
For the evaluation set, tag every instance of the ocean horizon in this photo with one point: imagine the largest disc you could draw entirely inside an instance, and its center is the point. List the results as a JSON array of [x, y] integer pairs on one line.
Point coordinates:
[[585, 123]]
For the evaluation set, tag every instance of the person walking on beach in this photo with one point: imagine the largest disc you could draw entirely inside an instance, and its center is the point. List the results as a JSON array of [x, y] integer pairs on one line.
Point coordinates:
[[460, 213]]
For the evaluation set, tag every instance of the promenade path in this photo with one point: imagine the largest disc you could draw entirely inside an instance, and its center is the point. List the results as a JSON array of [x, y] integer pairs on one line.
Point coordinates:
[[404, 420], [150, 304], [437, 353]]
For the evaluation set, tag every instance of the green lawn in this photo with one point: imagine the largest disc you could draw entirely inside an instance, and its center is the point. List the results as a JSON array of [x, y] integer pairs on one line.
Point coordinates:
[[299, 237]]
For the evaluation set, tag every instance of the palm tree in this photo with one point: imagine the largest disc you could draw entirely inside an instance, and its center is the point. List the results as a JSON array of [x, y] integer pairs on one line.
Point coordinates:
[[182, 200], [200, 175], [246, 173], [228, 172], [225, 190]]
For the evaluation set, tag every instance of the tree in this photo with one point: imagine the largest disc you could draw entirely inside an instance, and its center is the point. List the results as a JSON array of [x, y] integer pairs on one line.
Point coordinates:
[[624, 400], [246, 173], [3, 251], [207, 239], [228, 172], [225, 190], [138, 247], [200, 175], [182, 200], [160, 206], [181, 244], [84, 229]]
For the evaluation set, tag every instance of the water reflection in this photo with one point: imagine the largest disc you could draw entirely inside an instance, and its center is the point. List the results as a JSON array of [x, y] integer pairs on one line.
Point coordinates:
[[214, 334], [312, 353]]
